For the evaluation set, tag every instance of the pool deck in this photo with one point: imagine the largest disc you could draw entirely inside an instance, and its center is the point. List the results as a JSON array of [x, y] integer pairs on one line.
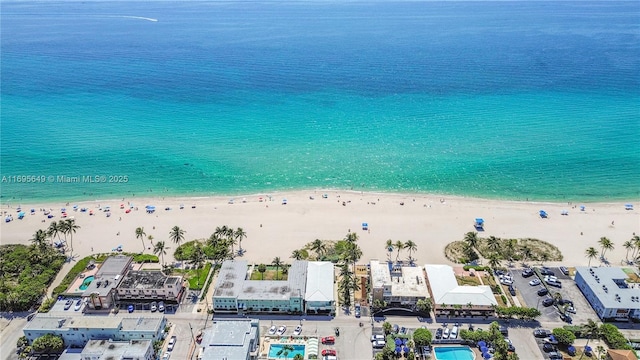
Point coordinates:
[[74, 288], [267, 341]]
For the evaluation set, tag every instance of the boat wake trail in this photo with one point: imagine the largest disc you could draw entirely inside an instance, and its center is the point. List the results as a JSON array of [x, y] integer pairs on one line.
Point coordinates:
[[135, 17]]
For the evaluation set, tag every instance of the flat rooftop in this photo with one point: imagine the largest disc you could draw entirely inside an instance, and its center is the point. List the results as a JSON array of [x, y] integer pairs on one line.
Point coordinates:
[[411, 283], [145, 279], [610, 286], [105, 349], [229, 339], [380, 274]]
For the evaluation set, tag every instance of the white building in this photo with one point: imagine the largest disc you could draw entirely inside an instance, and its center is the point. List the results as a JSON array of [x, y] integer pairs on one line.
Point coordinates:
[[236, 339], [397, 285], [101, 292], [112, 350], [319, 295], [609, 293], [77, 330], [448, 296]]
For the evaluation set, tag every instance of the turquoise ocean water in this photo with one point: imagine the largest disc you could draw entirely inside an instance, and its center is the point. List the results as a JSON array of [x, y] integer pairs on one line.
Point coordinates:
[[513, 100]]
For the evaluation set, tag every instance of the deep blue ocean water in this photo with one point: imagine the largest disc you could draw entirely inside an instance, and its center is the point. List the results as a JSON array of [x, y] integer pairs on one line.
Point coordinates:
[[512, 100]]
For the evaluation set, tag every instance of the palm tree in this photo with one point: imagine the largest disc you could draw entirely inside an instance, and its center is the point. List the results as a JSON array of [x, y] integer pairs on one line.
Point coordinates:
[[262, 268], [628, 245], [389, 246], [636, 241], [591, 329], [525, 251], [160, 249], [399, 245], [70, 228], [197, 258], [277, 263], [591, 253], [298, 357], [240, 234], [176, 235], [39, 240], [231, 241], [318, 247], [494, 260], [510, 249], [471, 238], [493, 244], [140, 234], [296, 254], [606, 244], [347, 284], [54, 230], [411, 246], [351, 237]]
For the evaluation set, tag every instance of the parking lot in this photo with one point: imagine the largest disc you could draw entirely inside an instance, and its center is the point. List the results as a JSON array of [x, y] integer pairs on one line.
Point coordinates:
[[569, 291]]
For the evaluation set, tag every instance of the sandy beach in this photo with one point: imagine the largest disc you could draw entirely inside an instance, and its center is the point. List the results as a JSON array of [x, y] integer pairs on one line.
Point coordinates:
[[274, 229]]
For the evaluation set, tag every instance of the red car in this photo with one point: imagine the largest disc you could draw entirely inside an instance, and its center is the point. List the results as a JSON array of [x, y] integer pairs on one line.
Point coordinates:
[[328, 352], [328, 340]]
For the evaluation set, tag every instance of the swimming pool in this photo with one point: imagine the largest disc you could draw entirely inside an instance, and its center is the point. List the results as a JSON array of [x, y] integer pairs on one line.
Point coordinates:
[[86, 282], [274, 349], [454, 353]]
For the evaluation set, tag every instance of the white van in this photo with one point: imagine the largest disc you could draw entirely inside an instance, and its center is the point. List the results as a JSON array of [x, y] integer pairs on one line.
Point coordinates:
[[379, 344], [445, 334], [377, 337], [454, 333]]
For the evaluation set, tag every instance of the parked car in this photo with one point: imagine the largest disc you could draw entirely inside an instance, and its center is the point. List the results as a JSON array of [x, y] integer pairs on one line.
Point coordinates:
[[564, 270], [543, 292], [172, 343], [281, 330], [547, 271], [329, 352], [454, 333], [166, 356], [555, 355], [154, 306], [78, 305], [377, 337], [512, 290], [161, 306], [68, 304], [445, 334], [571, 309], [548, 347], [328, 340], [403, 330], [298, 330], [272, 330], [358, 311], [504, 330], [439, 333], [565, 302], [557, 284], [379, 344], [527, 273], [547, 302], [396, 328], [329, 357], [510, 344], [541, 333], [535, 282]]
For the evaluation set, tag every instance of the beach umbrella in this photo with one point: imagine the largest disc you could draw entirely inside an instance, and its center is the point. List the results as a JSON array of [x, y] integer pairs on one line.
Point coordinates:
[[405, 349], [571, 350], [398, 349], [398, 341], [404, 341], [588, 349], [482, 343], [63, 209], [628, 206], [484, 349], [582, 207], [486, 355]]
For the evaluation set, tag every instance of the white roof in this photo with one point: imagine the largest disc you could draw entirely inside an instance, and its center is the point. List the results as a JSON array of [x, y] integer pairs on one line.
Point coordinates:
[[446, 290], [319, 281]]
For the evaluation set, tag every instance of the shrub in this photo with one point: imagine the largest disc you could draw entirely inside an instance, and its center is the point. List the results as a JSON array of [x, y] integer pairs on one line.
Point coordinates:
[[613, 337], [71, 275], [564, 337], [476, 267], [46, 305]]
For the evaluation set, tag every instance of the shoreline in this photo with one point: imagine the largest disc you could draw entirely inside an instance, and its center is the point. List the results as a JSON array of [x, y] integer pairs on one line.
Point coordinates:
[[185, 197], [274, 229]]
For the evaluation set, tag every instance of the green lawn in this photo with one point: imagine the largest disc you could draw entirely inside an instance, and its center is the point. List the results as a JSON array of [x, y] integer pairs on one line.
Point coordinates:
[[270, 274], [192, 276]]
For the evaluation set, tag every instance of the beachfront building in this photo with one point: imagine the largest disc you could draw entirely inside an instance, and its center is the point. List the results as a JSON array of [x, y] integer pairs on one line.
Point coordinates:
[[77, 330], [609, 293], [450, 298], [236, 293], [151, 285], [230, 339], [111, 350], [396, 285], [319, 295], [100, 294]]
